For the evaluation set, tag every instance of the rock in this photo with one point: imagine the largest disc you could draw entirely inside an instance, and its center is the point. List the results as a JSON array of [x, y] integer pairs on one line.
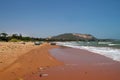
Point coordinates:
[[37, 43], [52, 43], [43, 75]]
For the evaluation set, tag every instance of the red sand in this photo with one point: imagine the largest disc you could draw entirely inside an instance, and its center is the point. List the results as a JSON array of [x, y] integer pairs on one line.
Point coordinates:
[[80, 65]]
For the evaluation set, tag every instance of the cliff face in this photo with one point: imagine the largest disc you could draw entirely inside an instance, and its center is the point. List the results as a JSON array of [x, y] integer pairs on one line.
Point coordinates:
[[74, 36], [85, 36]]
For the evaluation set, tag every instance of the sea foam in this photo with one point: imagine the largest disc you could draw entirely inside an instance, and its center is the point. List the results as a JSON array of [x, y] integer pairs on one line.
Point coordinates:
[[105, 51]]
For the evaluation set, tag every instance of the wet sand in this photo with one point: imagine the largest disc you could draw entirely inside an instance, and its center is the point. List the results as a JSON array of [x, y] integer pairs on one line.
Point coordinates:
[[29, 63], [80, 65]]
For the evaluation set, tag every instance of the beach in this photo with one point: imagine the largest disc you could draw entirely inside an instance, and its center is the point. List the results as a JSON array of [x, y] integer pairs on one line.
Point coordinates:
[[59, 39], [80, 65], [10, 51], [83, 65], [25, 62], [51, 62]]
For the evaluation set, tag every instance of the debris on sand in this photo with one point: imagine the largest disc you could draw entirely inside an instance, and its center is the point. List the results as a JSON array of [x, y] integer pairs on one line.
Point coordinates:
[[43, 68], [43, 75], [52, 43]]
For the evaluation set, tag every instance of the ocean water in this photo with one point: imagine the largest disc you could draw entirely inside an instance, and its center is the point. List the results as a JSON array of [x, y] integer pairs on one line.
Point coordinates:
[[108, 49]]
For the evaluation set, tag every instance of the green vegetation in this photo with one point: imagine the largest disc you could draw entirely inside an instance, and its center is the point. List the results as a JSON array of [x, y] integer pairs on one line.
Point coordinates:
[[17, 38], [14, 40], [3, 37]]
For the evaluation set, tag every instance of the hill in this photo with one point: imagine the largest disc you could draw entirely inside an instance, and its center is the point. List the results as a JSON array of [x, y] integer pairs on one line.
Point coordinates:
[[73, 37]]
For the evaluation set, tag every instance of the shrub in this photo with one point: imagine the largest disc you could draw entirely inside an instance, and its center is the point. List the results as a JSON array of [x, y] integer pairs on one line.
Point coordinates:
[[15, 40]]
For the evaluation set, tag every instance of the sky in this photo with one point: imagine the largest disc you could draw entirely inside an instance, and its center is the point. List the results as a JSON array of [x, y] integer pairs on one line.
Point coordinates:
[[43, 18]]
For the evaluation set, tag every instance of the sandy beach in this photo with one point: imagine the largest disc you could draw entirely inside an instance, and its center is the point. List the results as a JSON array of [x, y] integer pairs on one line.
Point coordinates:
[[24, 59], [47, 62], [10, 51], [59, 39]]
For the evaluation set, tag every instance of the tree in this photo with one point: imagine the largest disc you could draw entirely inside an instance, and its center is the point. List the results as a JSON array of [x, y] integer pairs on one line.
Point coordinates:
[[3, 34], [20, 35], [3, 37], [14, 36]]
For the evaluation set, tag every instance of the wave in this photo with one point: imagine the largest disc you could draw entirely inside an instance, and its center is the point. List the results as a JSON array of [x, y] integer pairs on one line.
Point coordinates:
[[105, 51], [104, 42], [113, 44]]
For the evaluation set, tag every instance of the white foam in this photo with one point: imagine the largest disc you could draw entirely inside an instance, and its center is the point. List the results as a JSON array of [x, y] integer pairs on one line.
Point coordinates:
[[105, 51], [113, 44]]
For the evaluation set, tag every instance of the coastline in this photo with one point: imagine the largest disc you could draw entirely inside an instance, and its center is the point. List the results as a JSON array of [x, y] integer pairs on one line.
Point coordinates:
[[61, 63], [82, 65]]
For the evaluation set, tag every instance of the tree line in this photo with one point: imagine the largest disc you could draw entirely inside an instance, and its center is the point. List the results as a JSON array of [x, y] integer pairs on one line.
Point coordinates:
[[17, 37]]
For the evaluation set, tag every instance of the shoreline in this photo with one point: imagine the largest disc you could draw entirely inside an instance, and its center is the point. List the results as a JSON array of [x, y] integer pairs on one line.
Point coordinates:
[[99, 53], [61, 63], [82, 65]]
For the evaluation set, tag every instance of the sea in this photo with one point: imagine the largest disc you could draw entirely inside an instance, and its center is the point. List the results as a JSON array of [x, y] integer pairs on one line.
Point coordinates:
[[110, 49]]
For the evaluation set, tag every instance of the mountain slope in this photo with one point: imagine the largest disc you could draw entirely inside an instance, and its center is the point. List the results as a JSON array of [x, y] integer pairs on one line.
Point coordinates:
[[74, 36]]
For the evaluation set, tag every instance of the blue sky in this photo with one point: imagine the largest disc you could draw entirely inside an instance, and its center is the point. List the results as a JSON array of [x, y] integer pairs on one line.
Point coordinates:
[[43, 18]]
